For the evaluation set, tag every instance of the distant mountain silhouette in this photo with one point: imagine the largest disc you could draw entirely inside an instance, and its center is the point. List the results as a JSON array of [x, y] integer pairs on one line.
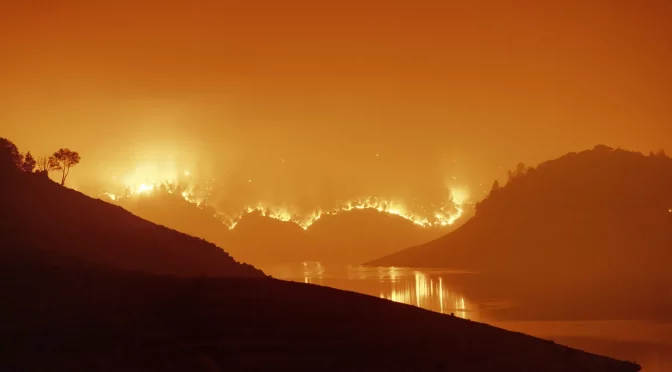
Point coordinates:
[[261, 239], [589, 221], [357, 235], [346, 237], [42, 214]]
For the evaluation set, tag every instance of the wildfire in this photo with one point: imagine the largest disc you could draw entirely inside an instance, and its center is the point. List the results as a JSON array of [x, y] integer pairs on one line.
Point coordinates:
[[144, 188], [442, 215], [147, 179]]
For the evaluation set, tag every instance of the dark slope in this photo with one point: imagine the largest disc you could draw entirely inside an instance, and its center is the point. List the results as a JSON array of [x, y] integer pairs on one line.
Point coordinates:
[[73, 318], [346, 237], [66, 308], [594, 225], [172, 211], [43, 214], [603, 204]]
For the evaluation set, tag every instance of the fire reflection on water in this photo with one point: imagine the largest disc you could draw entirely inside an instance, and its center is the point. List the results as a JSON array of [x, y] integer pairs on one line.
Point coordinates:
[[312, 271], [427, 293], [425, 289]]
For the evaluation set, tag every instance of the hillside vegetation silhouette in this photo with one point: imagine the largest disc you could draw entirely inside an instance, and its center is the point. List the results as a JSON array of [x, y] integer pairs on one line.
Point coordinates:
[[80, 294], [598, 221], [346, 237]]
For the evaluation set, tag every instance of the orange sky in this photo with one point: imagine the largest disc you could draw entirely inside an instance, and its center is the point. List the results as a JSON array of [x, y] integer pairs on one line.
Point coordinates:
[[301, 96]]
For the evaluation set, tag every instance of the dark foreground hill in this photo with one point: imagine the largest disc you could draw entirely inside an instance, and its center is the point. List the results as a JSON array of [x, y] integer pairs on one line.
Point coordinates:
[[74, 318], [595, 225], [43, 214], [66, 309]]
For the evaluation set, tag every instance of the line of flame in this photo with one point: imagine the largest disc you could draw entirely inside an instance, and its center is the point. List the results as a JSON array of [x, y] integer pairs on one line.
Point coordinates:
[[440, 218]]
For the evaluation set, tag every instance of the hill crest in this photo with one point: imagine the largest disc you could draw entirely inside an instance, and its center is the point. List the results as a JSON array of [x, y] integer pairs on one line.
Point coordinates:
[[603, 204], [40, 213]]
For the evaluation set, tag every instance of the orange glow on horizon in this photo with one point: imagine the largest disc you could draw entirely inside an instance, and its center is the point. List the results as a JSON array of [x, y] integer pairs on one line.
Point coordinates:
[[442, 217], [310, 103], [147, 179]]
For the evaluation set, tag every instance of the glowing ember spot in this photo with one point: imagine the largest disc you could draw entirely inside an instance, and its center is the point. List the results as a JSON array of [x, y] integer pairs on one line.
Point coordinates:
[[111, 196]]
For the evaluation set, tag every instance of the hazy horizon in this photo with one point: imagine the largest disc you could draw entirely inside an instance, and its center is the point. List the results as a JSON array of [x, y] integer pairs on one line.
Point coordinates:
[[309, 104]]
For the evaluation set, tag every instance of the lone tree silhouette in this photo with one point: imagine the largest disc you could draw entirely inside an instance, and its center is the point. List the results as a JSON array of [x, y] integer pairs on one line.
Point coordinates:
[[46, 163], [65, 159], [28, 162]]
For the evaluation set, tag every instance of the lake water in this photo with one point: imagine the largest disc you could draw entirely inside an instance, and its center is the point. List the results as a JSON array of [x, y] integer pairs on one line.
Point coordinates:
[[428, 289], [647, 342]]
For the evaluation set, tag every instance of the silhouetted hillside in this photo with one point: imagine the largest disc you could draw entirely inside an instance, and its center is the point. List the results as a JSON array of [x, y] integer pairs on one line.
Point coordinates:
[[171, 210], [78, 296], [45, 215], [76, 318], [345, 237], [592, 221]]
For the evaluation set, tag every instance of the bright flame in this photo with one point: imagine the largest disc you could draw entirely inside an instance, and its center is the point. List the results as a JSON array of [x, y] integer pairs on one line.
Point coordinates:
[[144, 188], [143, 182], [460, 195], [441, 218], [111, 196]]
